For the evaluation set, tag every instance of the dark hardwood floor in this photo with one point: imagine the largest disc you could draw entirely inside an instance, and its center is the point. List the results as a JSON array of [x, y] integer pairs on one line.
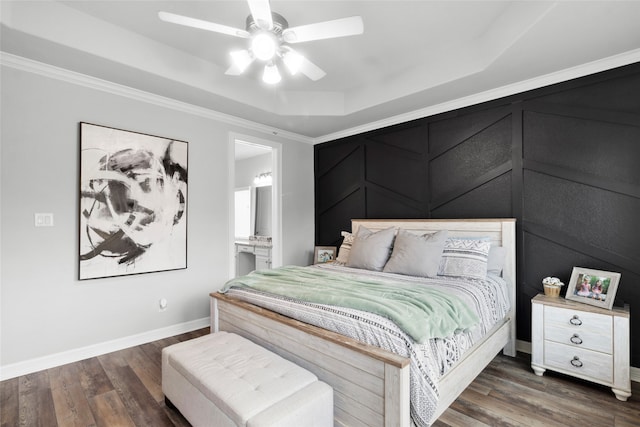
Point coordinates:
[[124, 389], [120, 389]]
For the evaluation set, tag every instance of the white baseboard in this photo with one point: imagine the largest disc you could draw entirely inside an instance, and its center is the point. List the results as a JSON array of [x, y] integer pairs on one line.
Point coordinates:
[[40, 363], [525, 347]]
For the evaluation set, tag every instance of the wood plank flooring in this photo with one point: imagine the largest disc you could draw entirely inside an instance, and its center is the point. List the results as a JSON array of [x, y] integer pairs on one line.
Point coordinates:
[[120, 389], [124, 389]]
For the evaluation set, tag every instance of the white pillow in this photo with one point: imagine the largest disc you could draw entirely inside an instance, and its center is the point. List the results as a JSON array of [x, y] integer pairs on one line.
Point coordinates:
[[465, 258], [371, 250], [345, 247], [416, 255]]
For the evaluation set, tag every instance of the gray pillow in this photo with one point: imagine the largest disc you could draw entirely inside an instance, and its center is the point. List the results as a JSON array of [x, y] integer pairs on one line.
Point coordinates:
[[497, 258], [370, 251], [416, 255]]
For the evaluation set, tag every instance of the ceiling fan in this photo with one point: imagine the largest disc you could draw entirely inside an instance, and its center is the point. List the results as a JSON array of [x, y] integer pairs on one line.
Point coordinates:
[[270, 38]]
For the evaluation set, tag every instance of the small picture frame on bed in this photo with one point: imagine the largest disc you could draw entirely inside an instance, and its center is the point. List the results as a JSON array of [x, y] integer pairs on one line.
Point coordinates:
[[324, 254], [593, 287]]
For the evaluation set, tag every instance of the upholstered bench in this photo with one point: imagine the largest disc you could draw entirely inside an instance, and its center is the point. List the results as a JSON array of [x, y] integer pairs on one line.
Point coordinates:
[[223, 379]]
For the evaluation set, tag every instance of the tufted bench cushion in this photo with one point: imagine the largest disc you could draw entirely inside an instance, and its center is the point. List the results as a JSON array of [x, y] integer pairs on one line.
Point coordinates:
[[242, 384]]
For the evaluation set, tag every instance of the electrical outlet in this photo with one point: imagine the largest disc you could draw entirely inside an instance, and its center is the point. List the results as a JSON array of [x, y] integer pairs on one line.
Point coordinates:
[[162, 304], [43, 219]]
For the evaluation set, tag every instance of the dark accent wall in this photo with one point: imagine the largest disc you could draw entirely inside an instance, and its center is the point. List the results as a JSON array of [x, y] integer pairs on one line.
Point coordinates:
[[563, 160]]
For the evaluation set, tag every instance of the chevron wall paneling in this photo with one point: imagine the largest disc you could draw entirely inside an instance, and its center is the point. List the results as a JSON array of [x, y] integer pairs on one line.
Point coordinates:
[[469, 164], [563, 160]]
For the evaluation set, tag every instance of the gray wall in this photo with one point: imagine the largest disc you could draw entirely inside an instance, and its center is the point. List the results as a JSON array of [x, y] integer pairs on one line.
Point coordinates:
[[247, 169], [45, 310]]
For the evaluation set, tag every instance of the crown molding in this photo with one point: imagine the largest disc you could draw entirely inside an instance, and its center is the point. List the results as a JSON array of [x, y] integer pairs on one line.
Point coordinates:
[[68, 76], [582, 70], [29, 65]]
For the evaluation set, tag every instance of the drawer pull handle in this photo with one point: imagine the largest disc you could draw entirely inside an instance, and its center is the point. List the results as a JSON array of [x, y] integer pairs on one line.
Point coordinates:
[[576, 339], [575, 320], [576, 362]]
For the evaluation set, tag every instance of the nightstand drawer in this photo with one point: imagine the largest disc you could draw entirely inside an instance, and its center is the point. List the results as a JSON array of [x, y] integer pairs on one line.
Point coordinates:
[[579, 362], [581, 329]]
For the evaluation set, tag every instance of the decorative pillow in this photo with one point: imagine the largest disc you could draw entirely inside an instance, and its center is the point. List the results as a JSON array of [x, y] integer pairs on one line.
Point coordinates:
[[371, 250], [345, 247], [497, 258], [465, 258], [416, 255]]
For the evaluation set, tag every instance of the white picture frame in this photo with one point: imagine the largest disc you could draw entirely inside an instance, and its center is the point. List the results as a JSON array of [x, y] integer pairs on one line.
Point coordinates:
[[593, 287]]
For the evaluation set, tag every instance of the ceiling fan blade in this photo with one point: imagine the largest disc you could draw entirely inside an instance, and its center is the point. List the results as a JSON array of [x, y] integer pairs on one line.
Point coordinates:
[[261, 12], [311, 70], [203, 25], [324, 30]]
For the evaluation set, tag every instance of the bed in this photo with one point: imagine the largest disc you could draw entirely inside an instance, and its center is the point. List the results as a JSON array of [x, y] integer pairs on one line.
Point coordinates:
[[372, 385]]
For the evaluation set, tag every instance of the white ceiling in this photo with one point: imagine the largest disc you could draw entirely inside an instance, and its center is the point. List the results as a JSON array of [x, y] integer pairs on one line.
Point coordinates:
[[414, 58]]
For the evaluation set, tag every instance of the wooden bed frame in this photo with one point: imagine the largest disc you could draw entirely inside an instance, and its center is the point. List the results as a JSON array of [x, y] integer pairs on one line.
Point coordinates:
[[371, 386]]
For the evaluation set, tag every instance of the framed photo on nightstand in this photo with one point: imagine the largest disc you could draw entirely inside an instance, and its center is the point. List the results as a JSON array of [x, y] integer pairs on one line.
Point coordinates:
[[593, 287], [324, 254]]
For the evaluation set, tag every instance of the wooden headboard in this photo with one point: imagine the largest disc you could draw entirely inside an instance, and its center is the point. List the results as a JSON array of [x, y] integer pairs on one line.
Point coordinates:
[[501, 232]]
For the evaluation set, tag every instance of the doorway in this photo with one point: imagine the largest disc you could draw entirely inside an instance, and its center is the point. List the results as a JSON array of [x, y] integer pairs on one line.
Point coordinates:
[[255, 216]]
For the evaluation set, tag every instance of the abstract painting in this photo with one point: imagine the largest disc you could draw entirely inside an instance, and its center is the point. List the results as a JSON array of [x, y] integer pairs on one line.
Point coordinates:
[[133, 202]]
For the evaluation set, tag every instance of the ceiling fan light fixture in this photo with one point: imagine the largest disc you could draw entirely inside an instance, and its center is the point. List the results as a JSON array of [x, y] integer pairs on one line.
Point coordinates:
[[271, 74], [241, 59], [269, 35], [264, 46], [293, 61]]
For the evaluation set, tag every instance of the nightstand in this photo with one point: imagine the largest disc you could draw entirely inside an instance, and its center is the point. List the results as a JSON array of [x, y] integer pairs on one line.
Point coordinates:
[[584, 341]]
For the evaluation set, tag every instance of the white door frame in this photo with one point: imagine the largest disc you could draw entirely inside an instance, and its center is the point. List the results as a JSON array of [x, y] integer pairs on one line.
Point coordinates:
[[276, 214]]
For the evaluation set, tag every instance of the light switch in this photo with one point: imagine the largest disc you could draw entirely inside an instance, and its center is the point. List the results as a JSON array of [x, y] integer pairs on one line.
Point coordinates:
[[43, 219]]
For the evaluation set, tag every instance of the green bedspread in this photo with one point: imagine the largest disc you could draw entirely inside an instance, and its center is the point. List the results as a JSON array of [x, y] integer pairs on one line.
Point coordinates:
[[420, 311]]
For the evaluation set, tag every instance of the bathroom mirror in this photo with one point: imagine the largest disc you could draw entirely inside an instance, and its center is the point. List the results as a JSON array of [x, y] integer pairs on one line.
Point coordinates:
[[263, 211]]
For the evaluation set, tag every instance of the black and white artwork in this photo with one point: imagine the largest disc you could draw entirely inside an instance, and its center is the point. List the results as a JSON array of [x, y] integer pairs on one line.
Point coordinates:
[[133, 202]]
